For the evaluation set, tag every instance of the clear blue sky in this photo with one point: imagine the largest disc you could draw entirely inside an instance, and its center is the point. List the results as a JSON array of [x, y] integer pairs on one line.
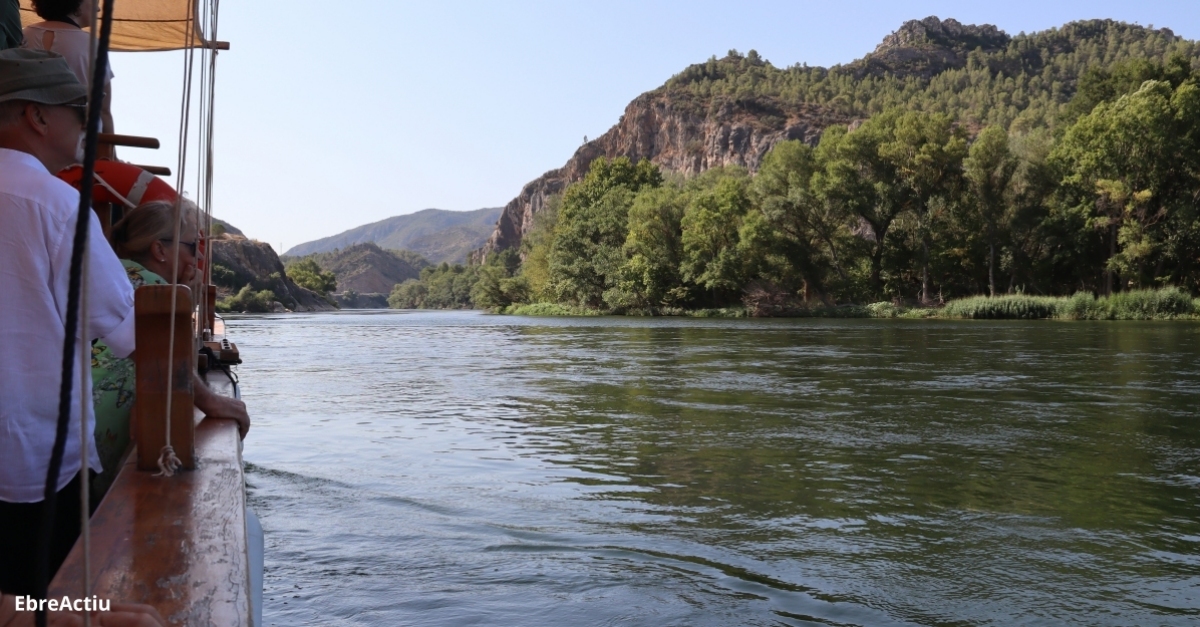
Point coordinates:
[[326, 121]]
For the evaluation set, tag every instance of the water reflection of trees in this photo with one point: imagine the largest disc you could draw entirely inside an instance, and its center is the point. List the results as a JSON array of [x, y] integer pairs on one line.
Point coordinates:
[[744, 425]]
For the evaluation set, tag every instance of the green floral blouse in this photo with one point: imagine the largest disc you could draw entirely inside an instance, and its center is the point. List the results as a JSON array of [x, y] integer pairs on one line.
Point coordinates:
[[112, 393]]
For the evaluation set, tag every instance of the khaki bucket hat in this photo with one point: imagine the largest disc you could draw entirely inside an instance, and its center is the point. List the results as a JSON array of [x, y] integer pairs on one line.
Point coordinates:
[[38, 76]]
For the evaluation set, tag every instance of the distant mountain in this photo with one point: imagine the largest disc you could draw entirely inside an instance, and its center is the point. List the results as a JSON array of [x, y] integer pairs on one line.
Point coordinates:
[[367, 268], [436, 234]]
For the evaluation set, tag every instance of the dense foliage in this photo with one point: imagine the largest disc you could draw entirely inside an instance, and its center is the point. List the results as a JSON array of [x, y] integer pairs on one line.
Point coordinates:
[[440, 287], [1061, 163], [247, 300], [905, 207], [307, 274], [1023, 84]]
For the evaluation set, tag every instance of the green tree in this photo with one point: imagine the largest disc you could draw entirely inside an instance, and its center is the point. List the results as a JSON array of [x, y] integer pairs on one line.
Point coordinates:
[[989, 171], [223, 277], [926, 152], [1131, 168], [801, 200], [859, 178], [307, 274], [497, 286], [408, 295], [247, 300], [535, 250], [649, 276], [586, 253], [712, 258]]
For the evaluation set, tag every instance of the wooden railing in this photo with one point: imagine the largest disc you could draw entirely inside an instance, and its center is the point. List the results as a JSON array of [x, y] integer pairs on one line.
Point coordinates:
[[176, 543], [153, 306]]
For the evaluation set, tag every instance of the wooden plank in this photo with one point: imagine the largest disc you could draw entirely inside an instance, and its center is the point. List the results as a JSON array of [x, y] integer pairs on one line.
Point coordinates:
[[133, 141], [156, 169], [152, 306], [210, 304], [176, 543]]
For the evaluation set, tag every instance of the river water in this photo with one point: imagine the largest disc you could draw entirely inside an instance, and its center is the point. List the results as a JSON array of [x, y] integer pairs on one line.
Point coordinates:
[[456, 468]]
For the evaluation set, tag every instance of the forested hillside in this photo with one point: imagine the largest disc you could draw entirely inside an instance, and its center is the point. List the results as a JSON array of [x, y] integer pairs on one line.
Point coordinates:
[[978, 76], [972, 162]]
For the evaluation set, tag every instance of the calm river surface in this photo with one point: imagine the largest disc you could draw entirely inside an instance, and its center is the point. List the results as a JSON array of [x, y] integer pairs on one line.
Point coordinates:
[[455, 468]]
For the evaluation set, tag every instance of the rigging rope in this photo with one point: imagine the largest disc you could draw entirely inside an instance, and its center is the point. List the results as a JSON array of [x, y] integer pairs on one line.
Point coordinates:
[[204, 169], [85, 363], [168, 461], [72, 324], [208, 140]]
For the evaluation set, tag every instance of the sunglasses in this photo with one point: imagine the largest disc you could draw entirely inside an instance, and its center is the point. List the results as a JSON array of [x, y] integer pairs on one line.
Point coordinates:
[[191, 247], [81, 111]]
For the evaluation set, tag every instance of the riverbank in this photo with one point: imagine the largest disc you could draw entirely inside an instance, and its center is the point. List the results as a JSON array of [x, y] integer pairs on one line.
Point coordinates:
[[1162, 304]]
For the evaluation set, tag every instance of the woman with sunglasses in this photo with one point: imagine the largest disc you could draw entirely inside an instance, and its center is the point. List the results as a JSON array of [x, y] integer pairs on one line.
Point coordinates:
[[145, 241]]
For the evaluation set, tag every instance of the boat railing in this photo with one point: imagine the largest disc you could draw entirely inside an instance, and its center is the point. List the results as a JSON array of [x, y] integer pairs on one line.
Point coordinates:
[[178, 543]]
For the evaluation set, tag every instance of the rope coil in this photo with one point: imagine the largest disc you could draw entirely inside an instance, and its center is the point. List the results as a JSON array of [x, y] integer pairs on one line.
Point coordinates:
[[168, 462]]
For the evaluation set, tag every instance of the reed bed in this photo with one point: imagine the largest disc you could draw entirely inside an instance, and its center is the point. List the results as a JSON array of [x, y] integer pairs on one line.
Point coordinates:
[[548, 309], [1161, 304], [1169, 303]]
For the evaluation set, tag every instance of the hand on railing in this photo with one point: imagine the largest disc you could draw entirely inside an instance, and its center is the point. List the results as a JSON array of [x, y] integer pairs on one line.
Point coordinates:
[[216, 406]]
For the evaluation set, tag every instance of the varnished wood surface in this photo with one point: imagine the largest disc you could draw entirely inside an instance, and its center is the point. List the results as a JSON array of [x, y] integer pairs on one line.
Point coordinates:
[[178, 544], [152, 306], [156, 169], [112, 139], [210, 306]]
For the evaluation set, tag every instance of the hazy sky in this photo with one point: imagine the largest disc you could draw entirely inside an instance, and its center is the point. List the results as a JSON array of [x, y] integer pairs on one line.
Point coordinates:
[[327, 120]]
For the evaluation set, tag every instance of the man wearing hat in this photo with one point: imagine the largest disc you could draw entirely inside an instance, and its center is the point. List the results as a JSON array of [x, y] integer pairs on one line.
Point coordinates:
[[42, 112]]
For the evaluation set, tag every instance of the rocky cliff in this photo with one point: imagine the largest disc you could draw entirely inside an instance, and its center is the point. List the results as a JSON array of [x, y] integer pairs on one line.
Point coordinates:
[[680, 133], [927, 47], [254, 263], [688, 133]]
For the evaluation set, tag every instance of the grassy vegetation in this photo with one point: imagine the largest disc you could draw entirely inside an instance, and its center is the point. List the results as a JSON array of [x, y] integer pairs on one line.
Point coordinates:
[[1163, 304], [248, 300], [1010, 307], [548, 309]]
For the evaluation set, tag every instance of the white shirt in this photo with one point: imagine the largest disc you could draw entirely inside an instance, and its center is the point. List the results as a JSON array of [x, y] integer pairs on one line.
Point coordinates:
[[72, 43], [37, 230]]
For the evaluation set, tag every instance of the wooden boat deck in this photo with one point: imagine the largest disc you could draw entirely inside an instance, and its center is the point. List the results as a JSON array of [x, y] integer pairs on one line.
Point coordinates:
[[179, 543]]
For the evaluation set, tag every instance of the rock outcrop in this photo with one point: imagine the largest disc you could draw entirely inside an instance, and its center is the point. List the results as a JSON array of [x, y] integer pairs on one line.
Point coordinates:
[[255, 263], [928, 47], [685, 133], [678, 132]]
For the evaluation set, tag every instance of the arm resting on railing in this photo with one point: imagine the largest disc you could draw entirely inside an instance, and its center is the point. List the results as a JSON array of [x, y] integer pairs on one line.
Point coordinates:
[[217, 406]]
